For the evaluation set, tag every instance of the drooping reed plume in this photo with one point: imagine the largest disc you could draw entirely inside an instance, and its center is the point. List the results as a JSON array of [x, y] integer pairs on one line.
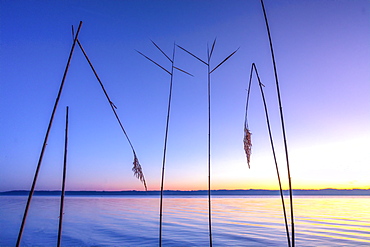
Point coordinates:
[[167, 125], [254, 68], [247, 144], [247, 140], [282, 122], [138, 171], [209, 71]]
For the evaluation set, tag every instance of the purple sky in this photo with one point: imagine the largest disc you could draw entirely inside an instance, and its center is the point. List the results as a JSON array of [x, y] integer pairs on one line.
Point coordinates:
[[322, 51]]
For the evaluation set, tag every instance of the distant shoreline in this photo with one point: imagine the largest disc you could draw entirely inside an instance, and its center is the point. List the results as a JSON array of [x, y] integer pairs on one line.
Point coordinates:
[[250, 192]]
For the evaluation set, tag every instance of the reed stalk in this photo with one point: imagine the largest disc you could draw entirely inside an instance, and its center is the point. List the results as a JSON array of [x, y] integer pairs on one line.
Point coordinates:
[[254, 68], [138, 172], [61, 212], [209, 71], [282, 123], [46, 138], [165, 148], [209, 145], [167, 126]]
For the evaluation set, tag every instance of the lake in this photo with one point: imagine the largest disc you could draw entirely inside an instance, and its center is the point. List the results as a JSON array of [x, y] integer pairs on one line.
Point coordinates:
[[236, 221]]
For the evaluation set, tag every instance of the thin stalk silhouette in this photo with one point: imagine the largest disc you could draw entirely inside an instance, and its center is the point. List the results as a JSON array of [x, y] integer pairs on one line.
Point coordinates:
[[138, 172], [282, 123], [167, 126], [254, 68], [61, 212], [46, 138], [209, 71], [165, 149], [209, 145]]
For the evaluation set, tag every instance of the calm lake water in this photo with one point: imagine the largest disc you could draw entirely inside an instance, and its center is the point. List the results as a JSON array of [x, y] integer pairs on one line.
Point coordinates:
[[237, 221]]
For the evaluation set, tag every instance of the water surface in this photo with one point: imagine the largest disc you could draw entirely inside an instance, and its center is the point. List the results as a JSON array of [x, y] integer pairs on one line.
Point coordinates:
[[236, 221]]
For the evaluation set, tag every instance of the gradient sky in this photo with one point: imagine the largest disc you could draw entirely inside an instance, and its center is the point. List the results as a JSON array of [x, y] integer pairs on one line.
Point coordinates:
[[322, 52]]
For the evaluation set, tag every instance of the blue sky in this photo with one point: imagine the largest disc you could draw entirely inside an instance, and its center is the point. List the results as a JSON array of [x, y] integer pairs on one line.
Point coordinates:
[[323, 59]]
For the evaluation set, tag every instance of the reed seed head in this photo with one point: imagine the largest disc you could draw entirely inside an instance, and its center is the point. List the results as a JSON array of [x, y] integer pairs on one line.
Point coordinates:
[[138, 172], [247, 144]]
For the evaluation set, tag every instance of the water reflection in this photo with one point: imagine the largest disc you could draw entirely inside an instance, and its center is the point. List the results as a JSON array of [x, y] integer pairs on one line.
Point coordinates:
[[238, 221]]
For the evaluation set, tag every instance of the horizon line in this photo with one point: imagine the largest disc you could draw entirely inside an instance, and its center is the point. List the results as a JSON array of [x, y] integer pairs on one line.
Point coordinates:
[[234, 192], [184, 190]]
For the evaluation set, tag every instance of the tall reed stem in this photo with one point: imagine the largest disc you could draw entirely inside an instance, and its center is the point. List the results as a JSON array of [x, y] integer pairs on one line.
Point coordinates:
[[165, 148], [271, 142], [46, 139], [209, 72], [167, 124], [61, 212], [282, 124], [209, 151]]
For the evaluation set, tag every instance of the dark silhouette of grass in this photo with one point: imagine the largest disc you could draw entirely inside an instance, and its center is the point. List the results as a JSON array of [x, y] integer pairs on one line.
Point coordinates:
[[46, 138], [167, 125], [138, 172], [63, 182], [136, 165], [282, 122], [209, 71], [254, 68]]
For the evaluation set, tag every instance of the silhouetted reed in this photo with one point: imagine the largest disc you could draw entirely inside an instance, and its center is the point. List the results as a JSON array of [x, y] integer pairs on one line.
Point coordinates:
[[209, 71], [167, 125], [254, 68], [282, 123], [47, 137], [61, 211], [136, 165], [138, 171]]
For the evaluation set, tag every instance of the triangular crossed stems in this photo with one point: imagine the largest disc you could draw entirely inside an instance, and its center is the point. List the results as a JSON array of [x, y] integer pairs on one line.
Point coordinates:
[[254, 68], [137, 168]]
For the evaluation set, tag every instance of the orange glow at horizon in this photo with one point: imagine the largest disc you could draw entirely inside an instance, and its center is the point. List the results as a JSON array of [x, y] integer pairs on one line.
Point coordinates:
[[335, 165]]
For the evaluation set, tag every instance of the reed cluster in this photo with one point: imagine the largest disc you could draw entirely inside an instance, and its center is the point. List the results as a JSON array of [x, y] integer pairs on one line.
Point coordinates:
[[137, 169], [136, 165]]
